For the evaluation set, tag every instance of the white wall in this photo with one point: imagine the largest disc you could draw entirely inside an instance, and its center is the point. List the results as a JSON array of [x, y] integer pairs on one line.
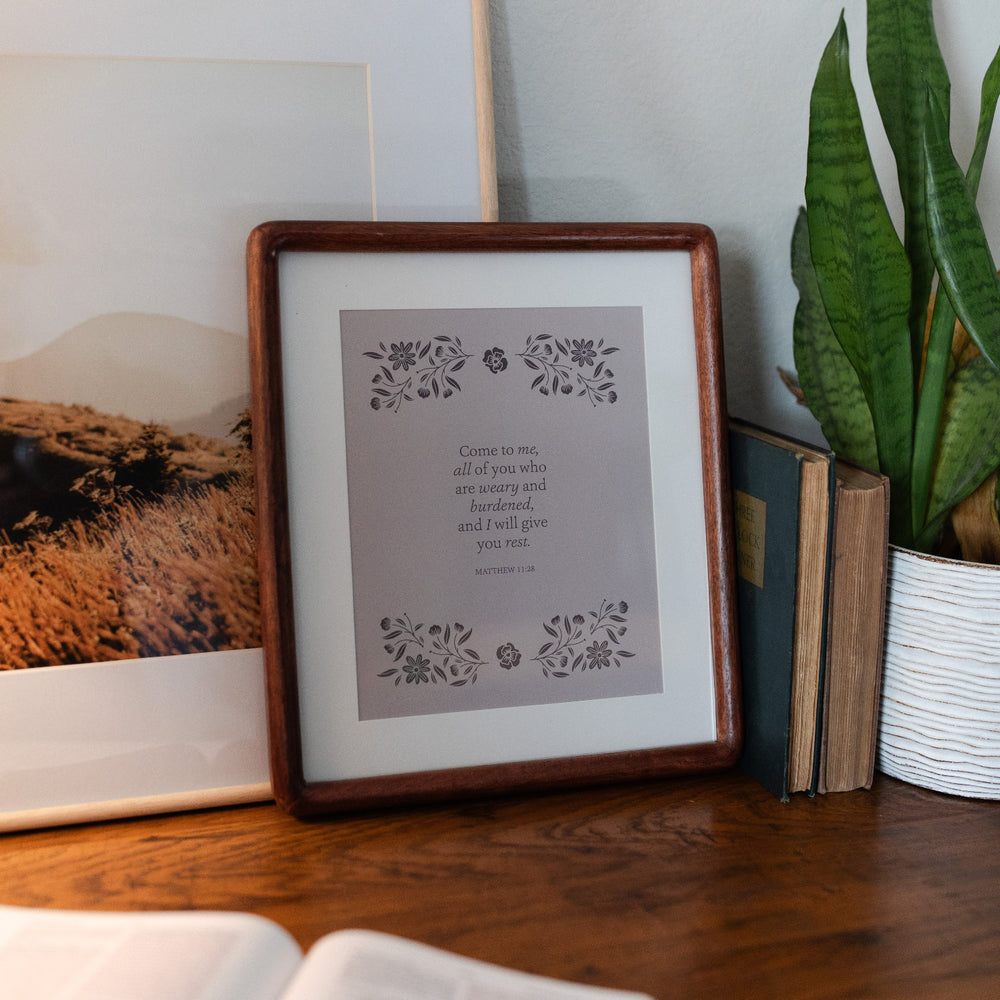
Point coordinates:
[[697, 110]]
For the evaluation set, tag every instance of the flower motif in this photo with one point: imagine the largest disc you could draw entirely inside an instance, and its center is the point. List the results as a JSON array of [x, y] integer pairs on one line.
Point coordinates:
[[402, 356], [583, 352], [598, 656], [508, 655], [494, 360], [440, 654], [417, 670], [568, 652]]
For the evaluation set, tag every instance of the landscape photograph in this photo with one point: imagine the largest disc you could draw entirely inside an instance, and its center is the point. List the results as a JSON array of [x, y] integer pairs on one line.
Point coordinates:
[[130, 648], [127, 518], [126, 510]]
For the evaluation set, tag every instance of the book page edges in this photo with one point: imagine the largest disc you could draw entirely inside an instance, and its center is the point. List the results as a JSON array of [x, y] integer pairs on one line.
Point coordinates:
[[814, 523]]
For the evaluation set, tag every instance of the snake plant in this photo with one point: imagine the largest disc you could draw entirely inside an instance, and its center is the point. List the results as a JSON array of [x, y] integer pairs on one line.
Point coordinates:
[[883, 325]]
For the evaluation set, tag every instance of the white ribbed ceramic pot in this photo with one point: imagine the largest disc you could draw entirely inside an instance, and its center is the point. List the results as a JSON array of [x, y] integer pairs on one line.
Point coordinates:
[[940, 716]]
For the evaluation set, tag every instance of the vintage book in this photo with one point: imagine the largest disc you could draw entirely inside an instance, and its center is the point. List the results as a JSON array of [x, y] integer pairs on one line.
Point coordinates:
[[50, 954], [783, 504], [855, 629]]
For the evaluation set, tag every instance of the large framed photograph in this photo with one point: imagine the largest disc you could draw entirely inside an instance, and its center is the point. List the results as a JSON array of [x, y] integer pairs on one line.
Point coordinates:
[[138, 149], [495, 541]]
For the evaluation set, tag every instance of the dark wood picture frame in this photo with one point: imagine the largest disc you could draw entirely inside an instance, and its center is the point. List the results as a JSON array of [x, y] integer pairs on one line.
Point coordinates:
[[305, 796]]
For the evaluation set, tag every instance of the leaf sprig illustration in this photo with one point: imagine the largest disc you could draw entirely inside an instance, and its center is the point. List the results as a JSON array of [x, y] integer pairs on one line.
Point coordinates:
[[565, 367], [438, 655], [435, 361], [554, 359], [569, 650]]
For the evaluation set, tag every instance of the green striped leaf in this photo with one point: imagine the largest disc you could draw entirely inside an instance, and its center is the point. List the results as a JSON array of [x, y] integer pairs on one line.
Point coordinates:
[[938, 363], [828, 381], [990, 93], [861, 267], [930, 405], [903, 58], [970, 439], [958, 242]]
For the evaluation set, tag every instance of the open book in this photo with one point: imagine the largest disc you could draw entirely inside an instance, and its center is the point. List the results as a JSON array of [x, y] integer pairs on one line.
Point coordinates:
[[68, 955]]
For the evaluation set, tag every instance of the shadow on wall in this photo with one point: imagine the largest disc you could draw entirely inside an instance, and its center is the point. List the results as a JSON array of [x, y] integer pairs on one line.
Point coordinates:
[[750, 373], [568, 199], [753, 385]]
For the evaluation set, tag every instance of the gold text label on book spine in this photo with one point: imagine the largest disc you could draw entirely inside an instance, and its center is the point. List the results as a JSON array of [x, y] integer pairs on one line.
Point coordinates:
[[751, 521]]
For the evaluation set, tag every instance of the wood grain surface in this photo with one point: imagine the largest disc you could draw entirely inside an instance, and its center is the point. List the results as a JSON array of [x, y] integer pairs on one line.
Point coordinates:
[[689, 887]]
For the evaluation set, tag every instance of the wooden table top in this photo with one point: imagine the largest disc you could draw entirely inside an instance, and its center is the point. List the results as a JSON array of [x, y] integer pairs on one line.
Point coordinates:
[[692, 887]]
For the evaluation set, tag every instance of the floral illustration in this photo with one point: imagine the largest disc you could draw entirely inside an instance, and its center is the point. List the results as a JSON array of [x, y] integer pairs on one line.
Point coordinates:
[[598, 656], [435, 361], [508, 655], [565, 367], [416, 670], [495, 360], [585, 642], [554, 359], [583, 353], [440, 654], [402, 356]]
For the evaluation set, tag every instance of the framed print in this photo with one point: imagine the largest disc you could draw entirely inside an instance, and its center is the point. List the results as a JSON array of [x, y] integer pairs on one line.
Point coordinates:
[[138, 149], [494, 531], [426, 62]]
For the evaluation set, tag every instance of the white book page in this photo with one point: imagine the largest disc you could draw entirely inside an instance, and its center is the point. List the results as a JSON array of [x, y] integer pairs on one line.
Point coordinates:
[[61, 955], [366, 965]]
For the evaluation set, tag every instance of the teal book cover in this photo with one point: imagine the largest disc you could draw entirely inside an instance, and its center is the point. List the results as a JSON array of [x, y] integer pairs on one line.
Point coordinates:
[[766, 479]]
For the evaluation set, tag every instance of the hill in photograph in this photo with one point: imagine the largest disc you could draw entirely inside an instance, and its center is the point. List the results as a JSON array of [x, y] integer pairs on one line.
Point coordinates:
[[50, 451], [149, 367]]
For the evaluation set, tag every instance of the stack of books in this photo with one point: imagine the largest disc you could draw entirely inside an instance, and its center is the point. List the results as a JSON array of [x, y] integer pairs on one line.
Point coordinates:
[[812, 536]]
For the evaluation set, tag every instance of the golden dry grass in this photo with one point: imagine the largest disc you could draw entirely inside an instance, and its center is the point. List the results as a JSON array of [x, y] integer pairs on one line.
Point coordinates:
[[175, 575]]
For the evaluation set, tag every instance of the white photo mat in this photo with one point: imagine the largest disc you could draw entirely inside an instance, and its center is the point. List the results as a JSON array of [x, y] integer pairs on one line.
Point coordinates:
[[91, 742], [335, 742], [335, 745], [428, 61]]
